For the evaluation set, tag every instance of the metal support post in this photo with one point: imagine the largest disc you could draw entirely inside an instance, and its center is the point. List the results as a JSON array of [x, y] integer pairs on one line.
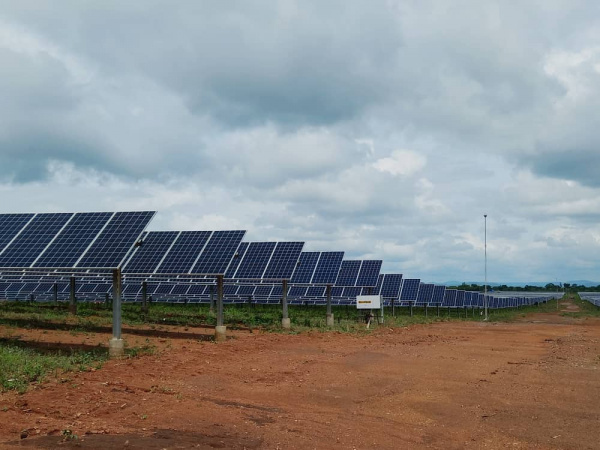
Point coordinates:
[[55, 291], [116, 345], [220, 329], [393, 307], [485, 301], [329, 320], [411, 308], [285, 321], [72, 298]]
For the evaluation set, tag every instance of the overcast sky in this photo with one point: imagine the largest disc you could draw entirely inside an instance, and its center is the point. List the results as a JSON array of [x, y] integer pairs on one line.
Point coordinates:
[[382, 128]]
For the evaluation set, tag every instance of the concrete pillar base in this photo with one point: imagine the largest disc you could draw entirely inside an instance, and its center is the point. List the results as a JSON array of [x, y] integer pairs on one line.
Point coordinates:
[[286, 323], [116, 348], [380, 320], [220, 333], [330, 322]]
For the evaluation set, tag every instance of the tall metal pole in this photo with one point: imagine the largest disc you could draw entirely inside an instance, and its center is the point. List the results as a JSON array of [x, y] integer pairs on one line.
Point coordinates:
[[485, 299]]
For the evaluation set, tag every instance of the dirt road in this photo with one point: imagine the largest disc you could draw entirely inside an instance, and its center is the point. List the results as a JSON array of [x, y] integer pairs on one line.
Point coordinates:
[[453, 385]]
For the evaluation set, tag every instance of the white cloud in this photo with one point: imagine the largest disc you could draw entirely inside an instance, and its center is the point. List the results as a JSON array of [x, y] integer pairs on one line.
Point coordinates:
[[401, 162]]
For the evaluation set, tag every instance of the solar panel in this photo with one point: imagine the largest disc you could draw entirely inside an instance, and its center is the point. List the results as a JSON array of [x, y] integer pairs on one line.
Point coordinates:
[[425, 293], [297, 291], [283, 261], [391, 286], [112, 245], [235, 262], [255, 260], [263, 290], [369, 272], [148, 255], [305, 267], [246, 290], [351, 292], [348, 273], [68, 246], [410, 289], [328, 268], [315, 291], [218, 253], [184, 252], [459, 299], [33, 239], [10, 225], [438, 295], [449, 297]]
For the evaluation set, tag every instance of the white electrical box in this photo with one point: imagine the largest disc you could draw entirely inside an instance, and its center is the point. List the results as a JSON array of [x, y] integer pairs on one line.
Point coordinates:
[[368, 302]]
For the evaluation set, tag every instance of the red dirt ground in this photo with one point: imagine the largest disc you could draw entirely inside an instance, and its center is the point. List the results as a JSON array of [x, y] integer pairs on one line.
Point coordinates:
[[452, 385]]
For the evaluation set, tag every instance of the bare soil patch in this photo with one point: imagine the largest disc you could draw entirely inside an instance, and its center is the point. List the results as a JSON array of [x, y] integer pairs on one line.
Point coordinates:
[[453, 385]]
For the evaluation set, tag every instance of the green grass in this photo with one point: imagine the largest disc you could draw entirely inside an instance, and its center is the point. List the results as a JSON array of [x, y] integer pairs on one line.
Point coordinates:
[[586, 309], [21, 365]]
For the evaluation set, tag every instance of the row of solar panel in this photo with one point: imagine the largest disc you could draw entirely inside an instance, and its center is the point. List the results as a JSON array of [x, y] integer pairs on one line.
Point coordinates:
[[106, 240], [592, 297], [451, 298], [98, 240]]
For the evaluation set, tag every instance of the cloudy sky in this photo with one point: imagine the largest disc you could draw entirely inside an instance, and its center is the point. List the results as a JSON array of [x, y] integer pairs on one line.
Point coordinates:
[[382, 128]]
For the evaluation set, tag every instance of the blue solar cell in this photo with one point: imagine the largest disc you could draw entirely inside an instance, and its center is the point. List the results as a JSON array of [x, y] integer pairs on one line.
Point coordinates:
[[148, 255], [235, 262], [184, 252], [33, 239], [283, 261], [425, 294], [369, 272], [112, 245], [348, 273], [10, 225], [306, 267], [410, 289], [328, 268], [255, 260], [218, 253], [68, 246]]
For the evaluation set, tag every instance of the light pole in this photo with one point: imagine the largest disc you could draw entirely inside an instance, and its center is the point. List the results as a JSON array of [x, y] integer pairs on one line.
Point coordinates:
[[485, 299]]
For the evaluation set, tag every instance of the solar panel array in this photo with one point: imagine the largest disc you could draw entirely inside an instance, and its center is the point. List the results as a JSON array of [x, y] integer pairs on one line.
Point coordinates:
[[184, 252], [359, 273], [425, 294], [317, 268], [103, 240], [267, 260], [410, 290], [69, 240]]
